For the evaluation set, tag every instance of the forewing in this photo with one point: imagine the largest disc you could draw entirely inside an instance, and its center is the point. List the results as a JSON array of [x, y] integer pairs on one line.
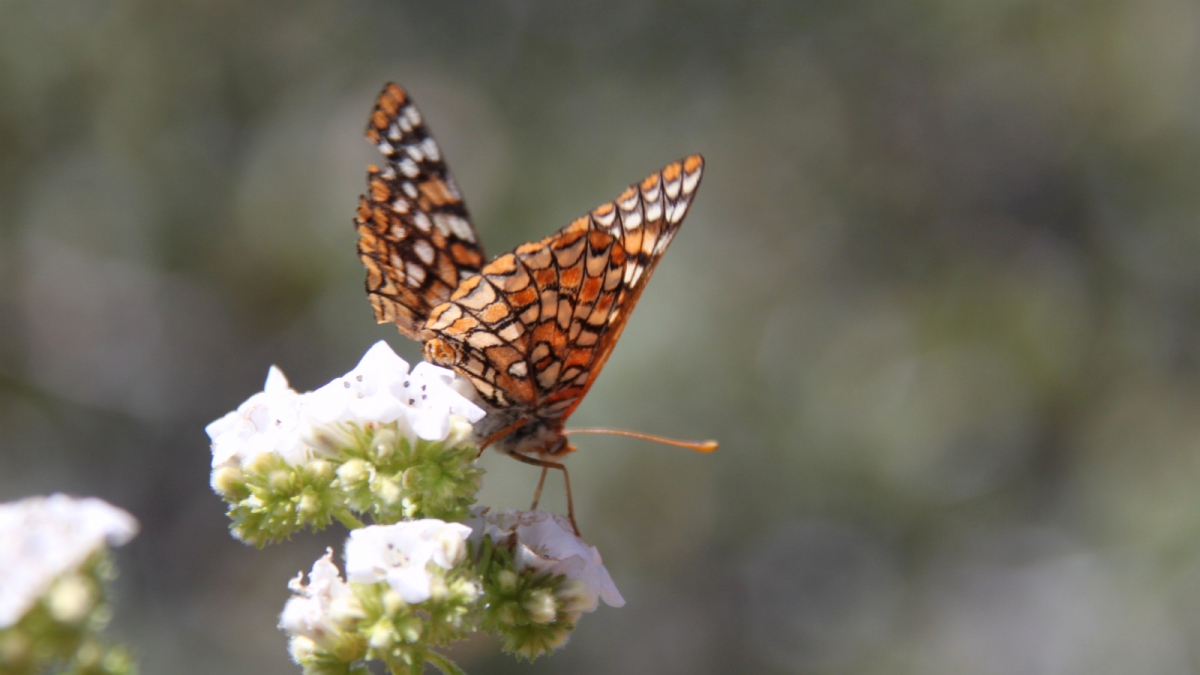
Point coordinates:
[[535, 328], [415, 237]]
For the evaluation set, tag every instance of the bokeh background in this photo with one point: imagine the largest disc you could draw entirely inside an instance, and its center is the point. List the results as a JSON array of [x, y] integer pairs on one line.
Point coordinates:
[[939, 299]]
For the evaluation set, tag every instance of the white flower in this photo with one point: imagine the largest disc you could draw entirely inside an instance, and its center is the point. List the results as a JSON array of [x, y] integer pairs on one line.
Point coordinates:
[[380, 390], [269, 421], [43, 538], [547, 543], [400, 554], [319, 609]]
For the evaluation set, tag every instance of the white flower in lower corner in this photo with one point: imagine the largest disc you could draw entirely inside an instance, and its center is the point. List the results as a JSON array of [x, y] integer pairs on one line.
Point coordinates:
[[321, 608], [547, 543], [380, 390], [43, 538], [400, 554]]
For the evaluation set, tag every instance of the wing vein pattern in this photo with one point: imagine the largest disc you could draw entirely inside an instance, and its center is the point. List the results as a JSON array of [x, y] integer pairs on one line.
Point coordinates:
[[415, 237]]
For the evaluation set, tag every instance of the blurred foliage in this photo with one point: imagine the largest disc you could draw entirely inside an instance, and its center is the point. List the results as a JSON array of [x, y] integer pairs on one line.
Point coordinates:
[[939, 298]]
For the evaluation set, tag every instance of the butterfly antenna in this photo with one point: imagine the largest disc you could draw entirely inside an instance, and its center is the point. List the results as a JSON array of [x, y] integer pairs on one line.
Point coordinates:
[[698, 446]]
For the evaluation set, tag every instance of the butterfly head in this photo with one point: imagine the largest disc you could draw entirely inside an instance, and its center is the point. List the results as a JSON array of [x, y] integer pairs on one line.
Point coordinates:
[[441, 352]]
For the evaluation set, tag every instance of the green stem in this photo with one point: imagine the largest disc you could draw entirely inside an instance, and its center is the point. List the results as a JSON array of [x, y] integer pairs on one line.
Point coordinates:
[[443, 664], [346, 518]]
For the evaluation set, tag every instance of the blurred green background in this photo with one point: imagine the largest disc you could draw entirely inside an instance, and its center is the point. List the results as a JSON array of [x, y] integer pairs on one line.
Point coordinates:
[[938, 297]]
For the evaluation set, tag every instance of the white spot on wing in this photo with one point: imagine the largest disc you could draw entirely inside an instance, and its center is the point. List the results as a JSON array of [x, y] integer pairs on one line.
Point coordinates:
[[409, 168], [461, 228], [442, 221], [416, 274], [632, 219], [413, 115], [653, 211], [673, 187], [410, 190], [690, 180], [424, 251], [414, 152], [422, 222], [430, 147]]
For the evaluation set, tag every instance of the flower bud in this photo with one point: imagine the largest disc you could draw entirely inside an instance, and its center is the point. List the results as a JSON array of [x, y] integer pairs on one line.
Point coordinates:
[[387, 490], [319, 471], [71, 599], [410, 478], [228, 481], [309, 506], [353, 472], [301, 648], [280, 480], [410, 629], [460, 431], [393, 603], [437, 588], [261, 463], [384, 442], [382, 635], [346, 610], [454, 546], [541, 606], [508, 580], [575, 596]]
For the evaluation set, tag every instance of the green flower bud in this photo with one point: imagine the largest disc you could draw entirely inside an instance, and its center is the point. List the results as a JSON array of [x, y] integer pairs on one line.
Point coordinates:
[[353, 472], [279, 480], [382, 635], [461, 431], [508, 580], [387, 490], [229, 481], [393, 604], [309, 506], [541, 606], [410, 629], [386, 440], [318, 471], [71, 599], [301, 649], [262, 463]]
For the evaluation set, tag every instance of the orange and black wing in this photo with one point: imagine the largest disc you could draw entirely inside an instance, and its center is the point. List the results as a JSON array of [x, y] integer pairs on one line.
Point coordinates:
[[536, 326], [415, 237]]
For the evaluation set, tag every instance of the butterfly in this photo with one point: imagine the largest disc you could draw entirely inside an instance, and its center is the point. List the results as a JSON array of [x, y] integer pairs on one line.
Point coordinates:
[[532, 328]]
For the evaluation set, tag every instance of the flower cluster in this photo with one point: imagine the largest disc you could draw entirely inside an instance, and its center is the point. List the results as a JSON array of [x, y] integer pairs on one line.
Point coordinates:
[[379, 440], [397, 446], [53, 581]]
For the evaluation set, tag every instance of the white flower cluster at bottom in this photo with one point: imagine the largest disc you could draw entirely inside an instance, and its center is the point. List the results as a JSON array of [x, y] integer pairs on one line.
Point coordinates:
[[412, 556], [547, 543], [43, 538]]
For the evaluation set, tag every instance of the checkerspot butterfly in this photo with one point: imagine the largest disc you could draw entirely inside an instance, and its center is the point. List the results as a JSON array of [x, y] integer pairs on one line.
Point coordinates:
[[532, 328]]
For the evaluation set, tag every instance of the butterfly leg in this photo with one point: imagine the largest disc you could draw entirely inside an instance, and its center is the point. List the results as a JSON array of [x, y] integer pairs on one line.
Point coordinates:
[[537, 494], [566, 479]]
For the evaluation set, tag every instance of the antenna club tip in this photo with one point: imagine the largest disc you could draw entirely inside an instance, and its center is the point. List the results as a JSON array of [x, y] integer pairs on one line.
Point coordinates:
[[708, 446]]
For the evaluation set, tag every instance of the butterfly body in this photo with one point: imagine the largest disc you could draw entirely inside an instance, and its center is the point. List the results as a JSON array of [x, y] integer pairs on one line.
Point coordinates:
[[531, 329]]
